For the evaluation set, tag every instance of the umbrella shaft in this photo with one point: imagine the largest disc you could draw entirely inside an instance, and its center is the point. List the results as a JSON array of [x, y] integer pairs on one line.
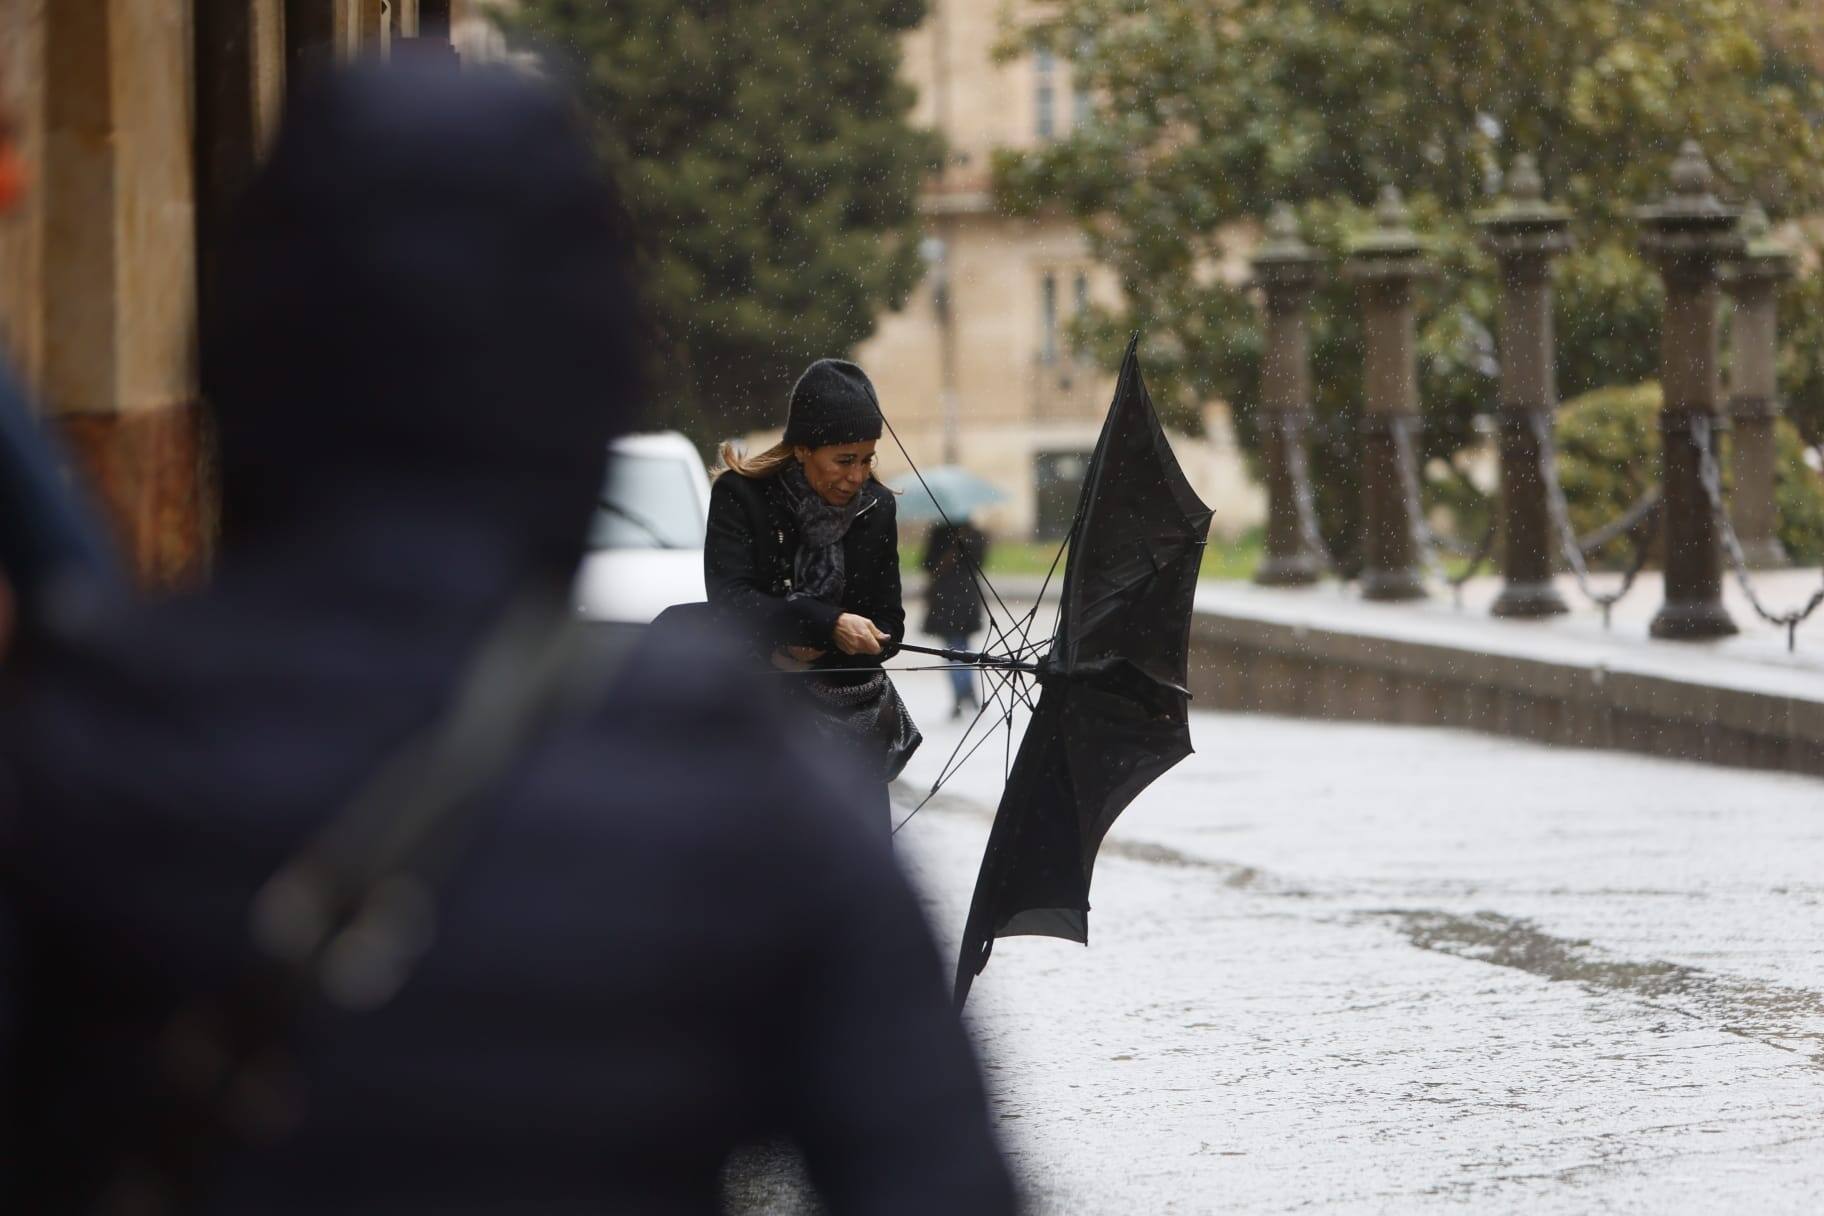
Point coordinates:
[[972, 657]]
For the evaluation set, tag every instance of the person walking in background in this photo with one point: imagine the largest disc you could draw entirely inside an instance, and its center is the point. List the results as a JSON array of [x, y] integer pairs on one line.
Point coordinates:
[[661, 934], [954, 552], [802, 563]]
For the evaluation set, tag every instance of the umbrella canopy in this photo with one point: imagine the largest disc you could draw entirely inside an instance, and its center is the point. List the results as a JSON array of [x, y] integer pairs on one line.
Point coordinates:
[[1113, 710], [946, 492]]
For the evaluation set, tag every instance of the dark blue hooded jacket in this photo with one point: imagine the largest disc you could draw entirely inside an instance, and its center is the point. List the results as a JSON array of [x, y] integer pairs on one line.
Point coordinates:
[[673, 935]]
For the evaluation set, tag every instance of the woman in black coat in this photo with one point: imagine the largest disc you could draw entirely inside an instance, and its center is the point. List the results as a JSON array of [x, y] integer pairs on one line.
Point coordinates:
[[801, 563]]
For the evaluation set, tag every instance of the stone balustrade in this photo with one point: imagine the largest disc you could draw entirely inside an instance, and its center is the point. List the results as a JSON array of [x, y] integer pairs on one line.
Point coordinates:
[[1700, 246]]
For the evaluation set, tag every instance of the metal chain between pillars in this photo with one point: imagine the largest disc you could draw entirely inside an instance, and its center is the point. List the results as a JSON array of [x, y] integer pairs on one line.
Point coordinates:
[[1524, 233], [1711, 477], [1428, 542], [1689, 236], [1754, 402], [1625, 524], [1406, 464], [1304, 497], [1286, 270], [1558, 511], [1386, 264]]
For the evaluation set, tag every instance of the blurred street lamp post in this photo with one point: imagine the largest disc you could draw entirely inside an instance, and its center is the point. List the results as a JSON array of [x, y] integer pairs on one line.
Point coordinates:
[[1754, 402], [936, 253], [1524, 233], [1286, 271], [1386, 264], [1689, 236]]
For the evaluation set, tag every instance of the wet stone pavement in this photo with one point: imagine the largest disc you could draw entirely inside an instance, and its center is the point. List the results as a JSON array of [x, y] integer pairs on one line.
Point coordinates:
[[1347, 968], [1363, 968]]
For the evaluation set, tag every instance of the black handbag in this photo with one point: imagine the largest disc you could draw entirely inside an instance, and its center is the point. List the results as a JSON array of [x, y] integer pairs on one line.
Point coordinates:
[[868, 717]]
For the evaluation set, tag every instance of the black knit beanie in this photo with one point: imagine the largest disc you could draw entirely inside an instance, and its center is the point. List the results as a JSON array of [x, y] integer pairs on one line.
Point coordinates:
[[833, 402]]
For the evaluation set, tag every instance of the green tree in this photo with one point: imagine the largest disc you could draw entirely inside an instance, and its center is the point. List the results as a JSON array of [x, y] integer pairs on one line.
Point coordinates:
[[1208, 113], [769, 169], [1801, 368]]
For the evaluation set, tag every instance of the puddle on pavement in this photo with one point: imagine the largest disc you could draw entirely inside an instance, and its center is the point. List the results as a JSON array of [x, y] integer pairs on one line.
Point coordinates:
[[1791, 1019]]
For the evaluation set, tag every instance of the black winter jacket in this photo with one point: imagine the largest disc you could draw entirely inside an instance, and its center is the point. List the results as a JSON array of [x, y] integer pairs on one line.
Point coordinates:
[[747, 570], [953, 553]]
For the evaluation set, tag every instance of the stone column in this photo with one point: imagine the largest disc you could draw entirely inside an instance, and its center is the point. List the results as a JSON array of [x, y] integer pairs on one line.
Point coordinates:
[[427, 32], [372, 21], [1525, 233], [1689, 236], [1286, 271], [434, 19], [1386, 265], [1754, 400], [119, 268], [268, 68], [314, 33], [227, 118]]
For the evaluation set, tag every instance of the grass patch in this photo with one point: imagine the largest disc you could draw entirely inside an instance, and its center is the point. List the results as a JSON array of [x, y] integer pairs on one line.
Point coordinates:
[[1222, 559]]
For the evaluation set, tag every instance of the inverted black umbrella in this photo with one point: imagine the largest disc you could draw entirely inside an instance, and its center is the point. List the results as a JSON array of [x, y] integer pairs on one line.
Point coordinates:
[[1113, 709]]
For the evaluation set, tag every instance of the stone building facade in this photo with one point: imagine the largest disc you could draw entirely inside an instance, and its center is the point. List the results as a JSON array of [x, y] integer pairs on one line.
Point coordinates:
[[977, 368], [139, 120]]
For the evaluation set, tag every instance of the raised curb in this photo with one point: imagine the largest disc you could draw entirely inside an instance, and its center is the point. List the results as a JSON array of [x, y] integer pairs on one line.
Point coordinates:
[[1251, 661]]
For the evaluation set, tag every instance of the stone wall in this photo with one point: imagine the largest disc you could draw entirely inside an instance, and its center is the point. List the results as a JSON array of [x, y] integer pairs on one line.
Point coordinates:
[[139, 120], [1240, 662], [117, 266]]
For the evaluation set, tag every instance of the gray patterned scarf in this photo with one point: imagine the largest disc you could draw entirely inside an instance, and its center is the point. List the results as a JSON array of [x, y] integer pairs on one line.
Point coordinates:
[[818, 567]]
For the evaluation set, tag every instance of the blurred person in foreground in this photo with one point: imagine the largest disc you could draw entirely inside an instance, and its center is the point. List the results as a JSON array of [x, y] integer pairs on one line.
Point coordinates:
[[801, 563], [665, 937], [953, 602]]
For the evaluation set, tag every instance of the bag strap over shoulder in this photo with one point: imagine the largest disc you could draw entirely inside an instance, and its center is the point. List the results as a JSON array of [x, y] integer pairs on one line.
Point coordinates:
[[354, 908], [344, 922]]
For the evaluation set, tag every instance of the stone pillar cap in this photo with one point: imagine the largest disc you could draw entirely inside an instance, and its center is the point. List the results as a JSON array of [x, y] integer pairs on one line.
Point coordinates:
[[1691, 201], [1284, 256], [1522, 222], [1763, 257], [1393, 249], [1393, 235]]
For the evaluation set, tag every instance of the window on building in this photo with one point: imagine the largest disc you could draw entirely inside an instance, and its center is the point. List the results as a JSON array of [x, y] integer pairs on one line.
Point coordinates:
[[1045, 73], [1079, 296], [1048, 318], [1057, 484], [1081, 106]]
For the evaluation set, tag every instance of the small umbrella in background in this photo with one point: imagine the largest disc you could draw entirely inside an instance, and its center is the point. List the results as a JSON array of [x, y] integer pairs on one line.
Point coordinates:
[[947, 491]]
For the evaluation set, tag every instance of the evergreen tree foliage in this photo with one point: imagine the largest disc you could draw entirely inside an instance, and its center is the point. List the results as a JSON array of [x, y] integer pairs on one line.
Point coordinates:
[[1208, 113], [771, 174]]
